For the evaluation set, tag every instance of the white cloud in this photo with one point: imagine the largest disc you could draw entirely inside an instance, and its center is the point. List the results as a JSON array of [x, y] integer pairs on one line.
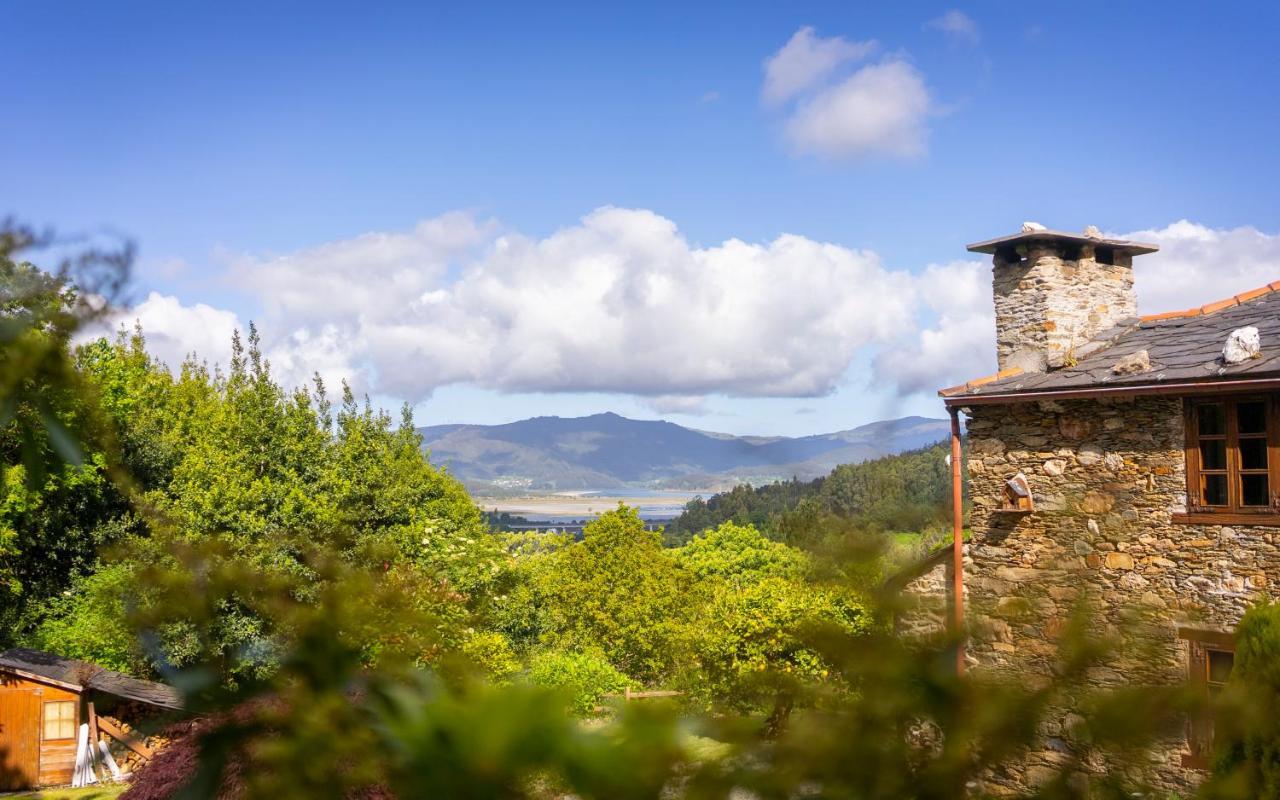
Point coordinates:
[[959, 344], [879, 110], [1197, 265], [805, 60], [957, 25], [173, 330], [351, 276], [621, 302]]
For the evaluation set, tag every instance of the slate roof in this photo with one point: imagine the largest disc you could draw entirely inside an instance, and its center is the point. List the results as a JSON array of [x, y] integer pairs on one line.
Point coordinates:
[[1184, 347], [84, 675]]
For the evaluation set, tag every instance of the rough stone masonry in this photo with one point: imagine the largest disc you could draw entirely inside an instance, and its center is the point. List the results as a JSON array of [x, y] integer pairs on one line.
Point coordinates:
[[1050, 300], [1108, 476]]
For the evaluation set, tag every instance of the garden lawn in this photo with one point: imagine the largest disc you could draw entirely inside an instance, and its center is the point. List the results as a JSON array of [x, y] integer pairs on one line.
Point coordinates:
[[89, 793]]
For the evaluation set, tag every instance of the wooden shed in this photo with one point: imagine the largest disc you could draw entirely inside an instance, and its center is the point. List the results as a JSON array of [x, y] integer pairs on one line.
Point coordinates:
[[45, 698]]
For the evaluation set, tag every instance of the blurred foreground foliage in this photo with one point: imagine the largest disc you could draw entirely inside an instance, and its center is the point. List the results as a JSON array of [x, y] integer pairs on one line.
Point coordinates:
[[342, 625]]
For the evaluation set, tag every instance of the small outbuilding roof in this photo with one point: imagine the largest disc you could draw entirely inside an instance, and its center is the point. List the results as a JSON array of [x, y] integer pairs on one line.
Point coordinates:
[[1184, 349], [81, 675]]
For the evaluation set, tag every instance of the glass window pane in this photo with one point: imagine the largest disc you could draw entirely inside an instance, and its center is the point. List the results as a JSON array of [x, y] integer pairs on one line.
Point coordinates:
[[1251, 417], [1220, 664], [1213, 455], [59, 719], [1212, 419], [1215, 490], [1254, 490], [1253, 453]]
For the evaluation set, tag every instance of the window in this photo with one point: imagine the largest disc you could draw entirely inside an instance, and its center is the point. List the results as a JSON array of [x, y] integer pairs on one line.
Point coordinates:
[[60, 719], [1210, 658], [1233, 457]]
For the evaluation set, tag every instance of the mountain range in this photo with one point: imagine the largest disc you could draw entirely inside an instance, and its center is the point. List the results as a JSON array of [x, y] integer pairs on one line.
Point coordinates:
[[608, 451]]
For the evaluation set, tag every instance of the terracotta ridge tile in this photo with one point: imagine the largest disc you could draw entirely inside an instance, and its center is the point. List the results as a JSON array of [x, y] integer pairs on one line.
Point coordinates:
[[1210, 308], [969, 386]]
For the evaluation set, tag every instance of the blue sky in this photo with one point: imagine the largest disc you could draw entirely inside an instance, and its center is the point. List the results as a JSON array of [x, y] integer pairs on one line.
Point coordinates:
[[229, 139]]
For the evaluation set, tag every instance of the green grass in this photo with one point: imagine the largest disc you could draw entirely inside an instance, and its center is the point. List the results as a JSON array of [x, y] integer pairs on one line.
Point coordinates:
[[90, 793]]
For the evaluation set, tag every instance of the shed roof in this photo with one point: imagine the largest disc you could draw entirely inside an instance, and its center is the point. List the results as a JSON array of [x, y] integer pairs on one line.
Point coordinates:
[[83, 675], [1185, 347]]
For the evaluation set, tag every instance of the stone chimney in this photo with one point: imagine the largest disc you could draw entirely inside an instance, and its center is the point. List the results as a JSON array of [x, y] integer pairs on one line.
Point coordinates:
[[1054, 291]]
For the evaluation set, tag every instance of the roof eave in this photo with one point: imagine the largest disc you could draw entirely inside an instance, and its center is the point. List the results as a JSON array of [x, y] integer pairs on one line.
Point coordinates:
[[1131, 390], [38, 678]]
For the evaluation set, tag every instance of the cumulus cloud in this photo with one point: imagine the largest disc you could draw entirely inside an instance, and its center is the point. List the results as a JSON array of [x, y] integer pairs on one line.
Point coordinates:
[[957, 25], [878, 110], [960, 342], [806, 59], [619, 302], [622, 302], [1198, 265], [173, 330], [351, 276]]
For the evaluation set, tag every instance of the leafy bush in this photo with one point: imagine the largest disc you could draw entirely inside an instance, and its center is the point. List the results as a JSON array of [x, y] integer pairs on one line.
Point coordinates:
[[585, 677], [751, 636], [739, 553], [1247, 720], [492, 653]]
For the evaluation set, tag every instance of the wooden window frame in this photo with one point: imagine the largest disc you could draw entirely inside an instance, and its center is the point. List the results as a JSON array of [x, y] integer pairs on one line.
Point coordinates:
[[1200, 643], [1234, 512], [44, 720]]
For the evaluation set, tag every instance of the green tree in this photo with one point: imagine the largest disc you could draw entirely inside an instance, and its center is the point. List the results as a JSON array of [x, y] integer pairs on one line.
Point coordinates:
[[56, 499], [617, 590], [585, 677], [265, 474], [753, 636], [903, 492], [740, 553]]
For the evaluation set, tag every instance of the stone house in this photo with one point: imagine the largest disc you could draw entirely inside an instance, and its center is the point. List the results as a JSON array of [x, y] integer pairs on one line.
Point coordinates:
[[1135, 459]]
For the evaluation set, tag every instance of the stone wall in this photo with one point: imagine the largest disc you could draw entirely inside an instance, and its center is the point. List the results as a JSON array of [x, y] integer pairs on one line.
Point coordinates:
[[924, 608], [1051, 302], [1106, 478]]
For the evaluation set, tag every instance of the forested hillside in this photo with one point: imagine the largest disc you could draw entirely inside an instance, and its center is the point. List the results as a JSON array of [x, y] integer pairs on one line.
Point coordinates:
[[904, 492]]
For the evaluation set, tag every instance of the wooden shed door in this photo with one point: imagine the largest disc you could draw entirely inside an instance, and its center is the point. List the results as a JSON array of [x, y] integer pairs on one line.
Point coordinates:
[[19, 738]]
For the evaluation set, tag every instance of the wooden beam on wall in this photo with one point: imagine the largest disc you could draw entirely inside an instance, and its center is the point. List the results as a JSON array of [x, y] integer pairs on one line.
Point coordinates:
[[130, 741]]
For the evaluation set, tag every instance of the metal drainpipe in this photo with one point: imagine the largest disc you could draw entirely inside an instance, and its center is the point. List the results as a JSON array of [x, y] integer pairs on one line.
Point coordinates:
[[957, 540]]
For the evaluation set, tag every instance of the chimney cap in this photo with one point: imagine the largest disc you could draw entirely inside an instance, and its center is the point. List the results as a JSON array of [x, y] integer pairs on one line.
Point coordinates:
[[1060, 237]]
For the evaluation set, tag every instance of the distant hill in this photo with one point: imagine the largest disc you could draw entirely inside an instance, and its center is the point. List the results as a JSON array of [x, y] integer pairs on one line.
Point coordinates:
[[902, 492], [607, 451]]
